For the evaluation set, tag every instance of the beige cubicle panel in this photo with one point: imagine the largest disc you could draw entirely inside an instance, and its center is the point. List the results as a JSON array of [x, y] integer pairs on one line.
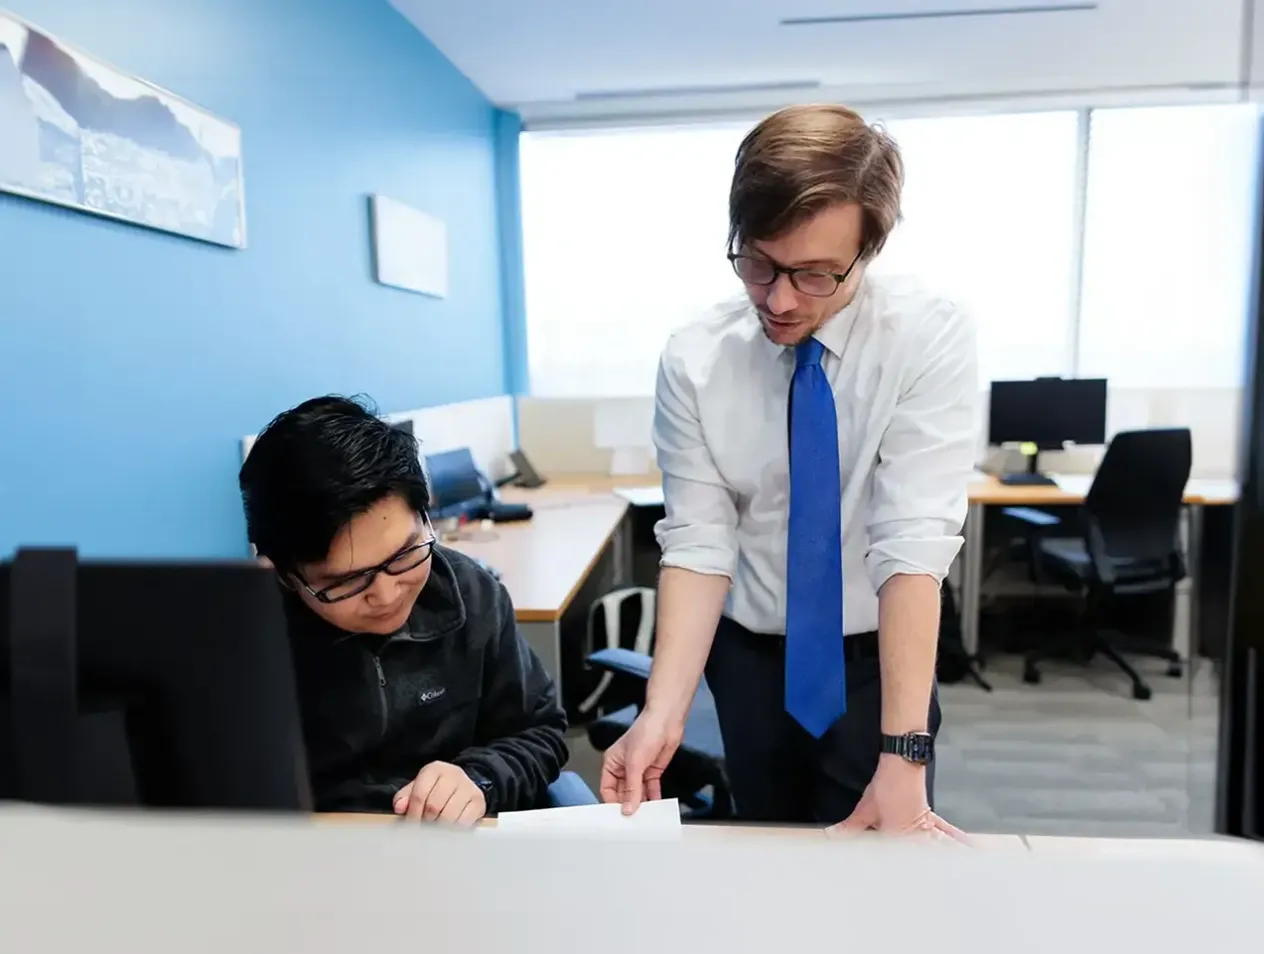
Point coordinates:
[[558, 436]]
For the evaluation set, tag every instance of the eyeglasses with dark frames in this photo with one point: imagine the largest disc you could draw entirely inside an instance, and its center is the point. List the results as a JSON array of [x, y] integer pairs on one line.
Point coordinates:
[[813, 282], [402, 562]]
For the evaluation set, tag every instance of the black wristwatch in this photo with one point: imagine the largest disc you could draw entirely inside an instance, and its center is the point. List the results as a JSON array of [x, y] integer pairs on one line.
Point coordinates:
[[915, 747], [484, 785]]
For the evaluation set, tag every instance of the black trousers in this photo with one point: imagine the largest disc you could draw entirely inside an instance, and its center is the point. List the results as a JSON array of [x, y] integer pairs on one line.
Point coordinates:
[[777, 771]]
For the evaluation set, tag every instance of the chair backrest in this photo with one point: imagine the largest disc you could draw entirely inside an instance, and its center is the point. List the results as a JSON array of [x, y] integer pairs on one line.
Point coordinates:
[[621, 619], [1134, 504]]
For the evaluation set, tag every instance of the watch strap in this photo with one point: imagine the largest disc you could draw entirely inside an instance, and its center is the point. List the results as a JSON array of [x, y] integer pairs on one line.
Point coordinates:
[[916, 747], [484, 785]]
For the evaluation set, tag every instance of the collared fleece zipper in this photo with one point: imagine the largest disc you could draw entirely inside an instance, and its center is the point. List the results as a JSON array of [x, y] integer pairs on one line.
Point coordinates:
[[381, 690]]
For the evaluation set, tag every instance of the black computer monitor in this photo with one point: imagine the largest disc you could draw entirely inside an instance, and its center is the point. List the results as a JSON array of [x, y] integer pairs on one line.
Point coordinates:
[[182, 672], [1047, 413]]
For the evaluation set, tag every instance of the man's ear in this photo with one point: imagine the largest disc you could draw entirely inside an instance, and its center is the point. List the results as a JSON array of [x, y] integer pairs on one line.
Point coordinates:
[[285, 579]]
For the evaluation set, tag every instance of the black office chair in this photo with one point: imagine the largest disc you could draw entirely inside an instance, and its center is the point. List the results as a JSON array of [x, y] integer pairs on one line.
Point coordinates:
[[1129, 546]]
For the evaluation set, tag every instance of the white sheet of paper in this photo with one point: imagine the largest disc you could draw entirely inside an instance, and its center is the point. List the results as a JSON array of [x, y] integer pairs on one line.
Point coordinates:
[[1077, 484], [659, 819], [641, 496]]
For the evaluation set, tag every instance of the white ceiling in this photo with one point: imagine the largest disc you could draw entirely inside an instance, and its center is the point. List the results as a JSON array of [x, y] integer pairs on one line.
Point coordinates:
[[559, 60]]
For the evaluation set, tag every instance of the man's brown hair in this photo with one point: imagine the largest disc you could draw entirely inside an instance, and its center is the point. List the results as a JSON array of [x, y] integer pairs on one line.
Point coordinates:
[[803, 159]]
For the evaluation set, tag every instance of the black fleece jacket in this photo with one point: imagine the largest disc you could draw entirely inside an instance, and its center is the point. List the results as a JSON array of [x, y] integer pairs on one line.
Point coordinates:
[[457, 684]]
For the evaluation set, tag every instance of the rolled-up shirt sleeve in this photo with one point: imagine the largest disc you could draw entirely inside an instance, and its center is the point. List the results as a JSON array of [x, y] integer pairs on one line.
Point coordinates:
[[699, 532], [926, 455]]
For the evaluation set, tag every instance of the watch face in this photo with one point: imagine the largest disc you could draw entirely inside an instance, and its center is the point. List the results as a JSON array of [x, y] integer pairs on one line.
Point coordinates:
[[920, 747]]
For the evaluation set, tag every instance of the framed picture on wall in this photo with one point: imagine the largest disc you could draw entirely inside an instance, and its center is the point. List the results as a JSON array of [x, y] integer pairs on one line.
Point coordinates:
[[79, 133]]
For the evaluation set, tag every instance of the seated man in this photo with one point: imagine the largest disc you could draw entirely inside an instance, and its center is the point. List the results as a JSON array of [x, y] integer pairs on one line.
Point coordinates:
[[419, 695]]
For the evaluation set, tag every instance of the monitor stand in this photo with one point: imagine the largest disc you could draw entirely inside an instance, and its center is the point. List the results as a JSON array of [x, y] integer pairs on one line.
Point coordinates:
[[1031, 477]]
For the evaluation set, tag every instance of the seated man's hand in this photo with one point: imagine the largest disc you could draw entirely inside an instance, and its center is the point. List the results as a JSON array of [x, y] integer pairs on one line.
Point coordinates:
[[441, 792]]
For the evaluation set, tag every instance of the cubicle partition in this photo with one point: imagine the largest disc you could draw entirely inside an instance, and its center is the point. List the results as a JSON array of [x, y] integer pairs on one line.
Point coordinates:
[[484, 425], [577, 435]]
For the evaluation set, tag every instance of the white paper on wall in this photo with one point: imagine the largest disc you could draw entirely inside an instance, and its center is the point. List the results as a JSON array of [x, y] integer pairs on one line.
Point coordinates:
[[628, 461], [410, 248], [623, 422]]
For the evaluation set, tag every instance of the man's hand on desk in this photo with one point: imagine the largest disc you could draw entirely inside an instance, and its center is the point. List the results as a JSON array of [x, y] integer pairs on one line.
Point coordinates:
[[441, 792], [632, 769], [895, 803]]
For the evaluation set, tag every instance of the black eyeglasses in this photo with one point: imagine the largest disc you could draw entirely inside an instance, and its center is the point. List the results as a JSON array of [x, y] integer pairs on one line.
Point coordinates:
[[811, 281], [399, 564]]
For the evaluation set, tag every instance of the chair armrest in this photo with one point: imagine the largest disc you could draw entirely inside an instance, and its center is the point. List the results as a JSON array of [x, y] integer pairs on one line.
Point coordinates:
[[622, 662], [570, 790], [1032, 517]]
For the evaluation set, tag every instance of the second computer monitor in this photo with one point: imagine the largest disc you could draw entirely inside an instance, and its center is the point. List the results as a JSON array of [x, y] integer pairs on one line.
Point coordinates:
[[168, 684], [455, 481], [1048, 412]]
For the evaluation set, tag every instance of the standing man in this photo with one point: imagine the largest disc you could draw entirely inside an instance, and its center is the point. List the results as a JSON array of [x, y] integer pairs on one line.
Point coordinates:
[[816, 442]]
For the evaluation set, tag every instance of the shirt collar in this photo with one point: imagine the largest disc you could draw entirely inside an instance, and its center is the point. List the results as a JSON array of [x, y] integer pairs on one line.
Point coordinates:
[[835, 332]]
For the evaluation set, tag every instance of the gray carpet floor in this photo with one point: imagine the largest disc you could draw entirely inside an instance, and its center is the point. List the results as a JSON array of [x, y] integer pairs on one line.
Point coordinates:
[[1075, 755]]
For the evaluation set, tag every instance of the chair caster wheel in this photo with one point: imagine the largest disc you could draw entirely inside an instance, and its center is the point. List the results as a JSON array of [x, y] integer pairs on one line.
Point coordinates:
[[1141, 692], [1031, 676], [1175, 670]]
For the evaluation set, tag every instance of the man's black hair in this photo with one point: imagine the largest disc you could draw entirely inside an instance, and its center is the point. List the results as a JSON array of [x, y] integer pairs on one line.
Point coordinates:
[[318, 465]]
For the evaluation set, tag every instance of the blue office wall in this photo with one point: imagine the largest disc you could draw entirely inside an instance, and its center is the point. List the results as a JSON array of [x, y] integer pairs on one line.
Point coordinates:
[[131, 361]]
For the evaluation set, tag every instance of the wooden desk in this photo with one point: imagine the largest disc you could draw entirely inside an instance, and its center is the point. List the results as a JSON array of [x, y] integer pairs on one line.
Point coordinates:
[[545, 561], [987, 491], [983, 489], [990, 492]]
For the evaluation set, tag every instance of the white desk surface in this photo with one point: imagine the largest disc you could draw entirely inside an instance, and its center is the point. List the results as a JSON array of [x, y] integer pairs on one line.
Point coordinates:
[[143, 884]]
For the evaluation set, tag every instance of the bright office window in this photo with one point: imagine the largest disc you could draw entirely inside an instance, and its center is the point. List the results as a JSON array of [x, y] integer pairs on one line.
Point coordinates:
[[623, 241], [624, 232], [1168, 245], [989, 219]]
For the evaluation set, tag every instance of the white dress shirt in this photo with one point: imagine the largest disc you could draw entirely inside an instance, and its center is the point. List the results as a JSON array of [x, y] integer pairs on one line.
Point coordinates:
[[902, 365]]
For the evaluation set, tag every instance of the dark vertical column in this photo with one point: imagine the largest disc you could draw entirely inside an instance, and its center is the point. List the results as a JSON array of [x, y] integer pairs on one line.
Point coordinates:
[[1240, 770]]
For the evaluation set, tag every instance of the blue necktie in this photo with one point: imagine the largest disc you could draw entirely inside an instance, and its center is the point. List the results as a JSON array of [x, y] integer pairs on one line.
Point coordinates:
[[816, 688]]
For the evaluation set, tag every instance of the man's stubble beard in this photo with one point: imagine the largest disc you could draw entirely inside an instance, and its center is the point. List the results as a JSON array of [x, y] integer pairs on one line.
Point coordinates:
[[811, 329]]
